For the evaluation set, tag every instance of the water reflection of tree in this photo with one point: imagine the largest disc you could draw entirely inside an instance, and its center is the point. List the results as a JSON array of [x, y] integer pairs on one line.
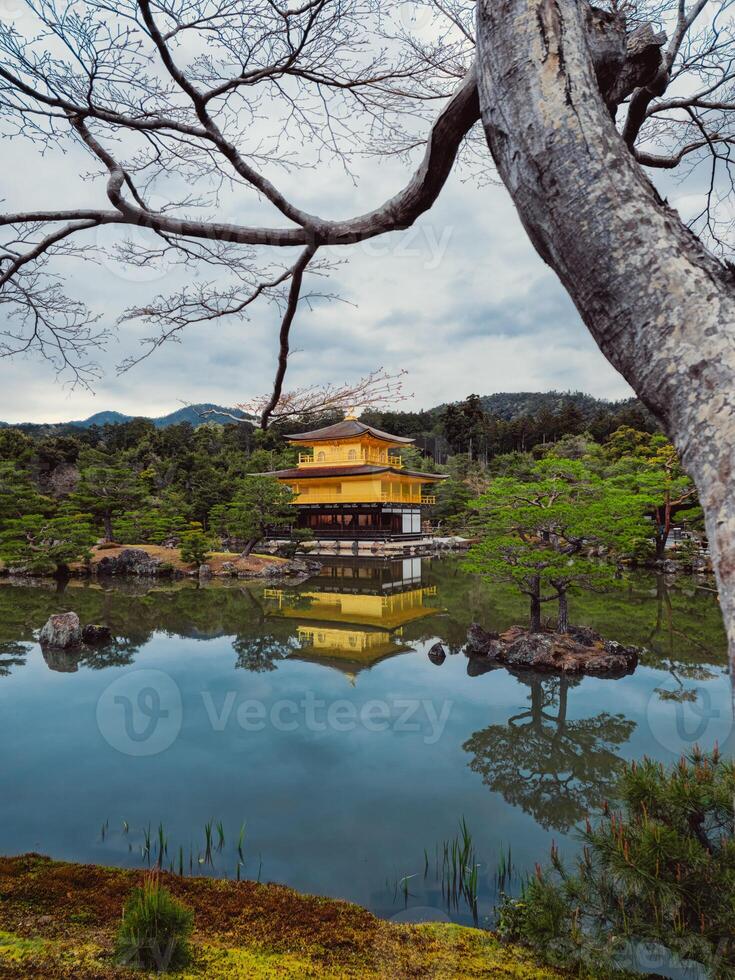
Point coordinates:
[[12, 655], [263, 642], [663, 641], [553, 768]]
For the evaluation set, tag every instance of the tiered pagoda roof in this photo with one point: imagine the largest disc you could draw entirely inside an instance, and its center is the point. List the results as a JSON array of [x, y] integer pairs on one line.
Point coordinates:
[[366, 469], [349, 428]]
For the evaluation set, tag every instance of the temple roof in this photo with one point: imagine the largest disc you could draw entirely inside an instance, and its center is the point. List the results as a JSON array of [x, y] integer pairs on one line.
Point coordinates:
[[319, 472], [348, 428]]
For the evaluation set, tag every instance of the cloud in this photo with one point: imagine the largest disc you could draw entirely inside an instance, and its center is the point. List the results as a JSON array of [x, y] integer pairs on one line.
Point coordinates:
[[461, 301]]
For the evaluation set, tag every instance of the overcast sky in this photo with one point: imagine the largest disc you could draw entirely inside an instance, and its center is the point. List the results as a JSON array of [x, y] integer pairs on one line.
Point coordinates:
[[461, 301]]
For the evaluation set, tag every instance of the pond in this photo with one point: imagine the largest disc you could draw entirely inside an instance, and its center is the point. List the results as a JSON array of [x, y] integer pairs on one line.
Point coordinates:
[[314, 718]]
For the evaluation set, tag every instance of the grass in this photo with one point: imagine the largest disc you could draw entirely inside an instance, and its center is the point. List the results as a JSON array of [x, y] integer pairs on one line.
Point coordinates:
[[241, 930], [155, 929]]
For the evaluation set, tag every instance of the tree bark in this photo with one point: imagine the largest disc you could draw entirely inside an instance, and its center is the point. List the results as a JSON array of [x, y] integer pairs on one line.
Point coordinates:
[[659, 305], [534, 596], [249, 545], [562, 622], [107, 522]]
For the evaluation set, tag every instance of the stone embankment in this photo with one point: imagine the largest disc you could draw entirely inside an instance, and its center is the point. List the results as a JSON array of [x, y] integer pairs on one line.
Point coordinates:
[[150, 561]]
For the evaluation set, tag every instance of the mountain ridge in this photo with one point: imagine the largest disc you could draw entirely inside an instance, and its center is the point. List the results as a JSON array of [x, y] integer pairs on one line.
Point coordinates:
[[187, 413], [504, 405]]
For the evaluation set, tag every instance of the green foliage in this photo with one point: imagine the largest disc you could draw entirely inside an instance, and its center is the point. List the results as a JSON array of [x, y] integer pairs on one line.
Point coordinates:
[[648, 466], [539, 529], [195, 545], [155, 931], [259, 503], [660, 871], [298, 537], [165, 518], [18, 495], [45, 545], [145, 484], [107, 487]]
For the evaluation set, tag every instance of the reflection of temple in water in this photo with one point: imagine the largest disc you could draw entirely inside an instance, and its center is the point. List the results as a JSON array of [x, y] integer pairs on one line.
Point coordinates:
[[352, 615]]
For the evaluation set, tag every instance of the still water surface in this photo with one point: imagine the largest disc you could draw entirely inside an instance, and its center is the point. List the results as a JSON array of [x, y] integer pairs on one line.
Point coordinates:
[[316, 717]]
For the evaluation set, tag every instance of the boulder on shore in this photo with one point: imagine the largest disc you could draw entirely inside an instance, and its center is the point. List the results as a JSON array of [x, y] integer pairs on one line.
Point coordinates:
[[61, 631], [131, 561], [579, 651]]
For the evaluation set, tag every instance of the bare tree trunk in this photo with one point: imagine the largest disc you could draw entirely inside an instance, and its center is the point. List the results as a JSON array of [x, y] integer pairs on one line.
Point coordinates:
[[661, 308], [249, 545], [107, 522], [562, 622], [534, 596]]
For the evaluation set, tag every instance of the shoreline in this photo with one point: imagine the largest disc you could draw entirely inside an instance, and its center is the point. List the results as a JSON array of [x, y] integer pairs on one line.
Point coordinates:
[[58, 920]]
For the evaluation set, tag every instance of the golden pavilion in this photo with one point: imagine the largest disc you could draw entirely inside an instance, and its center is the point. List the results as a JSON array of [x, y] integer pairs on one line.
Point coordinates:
[[348, 483], [352, 616]]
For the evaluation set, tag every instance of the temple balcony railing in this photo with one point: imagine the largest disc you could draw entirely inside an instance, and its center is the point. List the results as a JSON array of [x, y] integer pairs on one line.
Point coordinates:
[[332, 497], [354, 456], [363, 497]]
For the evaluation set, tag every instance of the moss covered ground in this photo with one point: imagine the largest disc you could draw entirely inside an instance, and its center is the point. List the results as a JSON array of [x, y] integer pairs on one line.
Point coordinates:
[[58, 920]]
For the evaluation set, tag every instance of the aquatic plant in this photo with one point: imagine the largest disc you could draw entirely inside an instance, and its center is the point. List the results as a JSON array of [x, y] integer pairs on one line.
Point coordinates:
[[504, 870], [207, 858], [162, 845]]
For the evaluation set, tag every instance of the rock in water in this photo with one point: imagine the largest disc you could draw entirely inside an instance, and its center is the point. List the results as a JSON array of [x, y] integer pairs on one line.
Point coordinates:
[[580, 651], [61, 631], [479, 640], [96, 635], [437, 654]]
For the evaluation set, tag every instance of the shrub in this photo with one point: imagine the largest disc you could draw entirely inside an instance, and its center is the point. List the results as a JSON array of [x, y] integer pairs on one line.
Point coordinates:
[[155, 930], [194, 547], [299, 537], [659, 872]]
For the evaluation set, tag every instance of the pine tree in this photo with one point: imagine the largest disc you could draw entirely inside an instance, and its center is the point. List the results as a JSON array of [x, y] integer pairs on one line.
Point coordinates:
[[259, 504], [46, 545], [540, 529], [107, 488], [660, 870]]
